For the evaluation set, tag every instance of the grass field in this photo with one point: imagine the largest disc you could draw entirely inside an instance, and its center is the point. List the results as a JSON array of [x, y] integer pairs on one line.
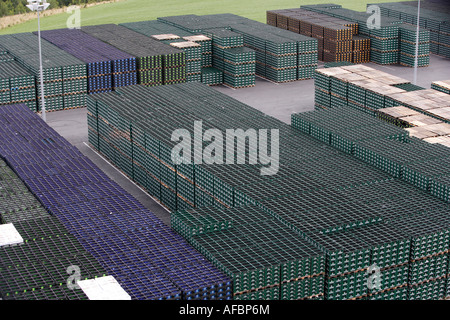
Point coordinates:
[[140, 10]]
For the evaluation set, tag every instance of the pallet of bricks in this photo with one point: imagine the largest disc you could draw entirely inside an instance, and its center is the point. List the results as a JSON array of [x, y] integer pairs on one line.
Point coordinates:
[[334, 35], [65, 76], [172, 34], [383, 40], [280, 55], [434, 17], [17, 84], [157, 63], [107, 67]]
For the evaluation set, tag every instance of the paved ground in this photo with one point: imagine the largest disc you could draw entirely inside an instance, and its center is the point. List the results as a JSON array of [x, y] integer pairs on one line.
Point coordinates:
[[277, 100]]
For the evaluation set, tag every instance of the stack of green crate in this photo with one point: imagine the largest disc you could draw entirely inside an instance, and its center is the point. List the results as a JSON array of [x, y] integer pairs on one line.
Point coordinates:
[[407, 46], [440, 187], [343, 127], [212, 76], [384, 44], [428, 266], [389, 261], [65, 84], [193, 52], [392, 155], [265, 258], [421, 174], [443, 86], [17, 84], [434, 17]]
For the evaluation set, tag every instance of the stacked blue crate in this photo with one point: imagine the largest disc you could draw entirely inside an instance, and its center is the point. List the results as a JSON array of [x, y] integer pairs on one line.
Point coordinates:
[[107, 66], [146, 257]]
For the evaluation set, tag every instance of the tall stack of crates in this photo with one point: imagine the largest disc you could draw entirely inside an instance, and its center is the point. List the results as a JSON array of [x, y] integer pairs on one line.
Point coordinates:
[[407, 46], [231, 57], [157, 63], [434, 16], [443, 86], [261, 267], [64, 75], [171, 34], [107, 67], [360, 49], [17, 84]]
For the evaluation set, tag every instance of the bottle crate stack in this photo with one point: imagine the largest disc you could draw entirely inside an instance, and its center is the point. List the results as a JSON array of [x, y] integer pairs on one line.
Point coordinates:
[[280, 55], [107, 67], [361, 49], [344, 127], [90, 207], [172, 34], [215, 207], [434, 17], [157, 63], [63, 73], [428, 266], [407, 46], [17, 203], [246, 250], [384, 41], [17, 85]]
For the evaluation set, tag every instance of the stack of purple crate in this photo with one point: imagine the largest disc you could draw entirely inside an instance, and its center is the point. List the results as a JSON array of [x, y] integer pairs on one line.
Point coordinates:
[[146, 257], [107, 67]]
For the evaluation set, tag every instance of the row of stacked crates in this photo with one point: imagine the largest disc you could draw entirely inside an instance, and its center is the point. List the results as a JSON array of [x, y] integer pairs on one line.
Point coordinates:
[[337, 38], [237, 62], [280, 55], [321, 199], [64, 75], [107, 67], [434, 17], [157, 63], [198, 48], [415, 264], [99, 219]]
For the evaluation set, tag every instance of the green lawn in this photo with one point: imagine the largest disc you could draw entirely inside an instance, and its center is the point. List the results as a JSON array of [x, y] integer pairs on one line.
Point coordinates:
[[140, 10]]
